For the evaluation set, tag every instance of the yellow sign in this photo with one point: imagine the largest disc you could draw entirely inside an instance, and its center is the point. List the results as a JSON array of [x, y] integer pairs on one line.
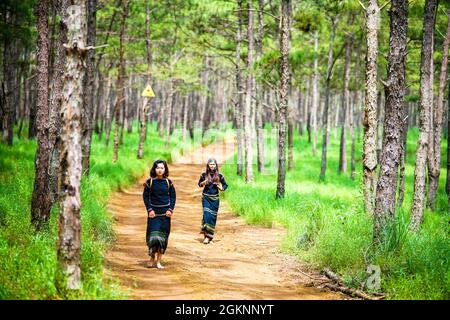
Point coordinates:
[[148, 92]]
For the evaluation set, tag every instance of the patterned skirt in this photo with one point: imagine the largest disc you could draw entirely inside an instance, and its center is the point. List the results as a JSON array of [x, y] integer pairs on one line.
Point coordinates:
[[158, 230], [210, 205]]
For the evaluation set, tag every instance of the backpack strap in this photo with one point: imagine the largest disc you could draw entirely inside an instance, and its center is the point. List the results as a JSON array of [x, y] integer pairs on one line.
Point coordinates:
[[168, 186]]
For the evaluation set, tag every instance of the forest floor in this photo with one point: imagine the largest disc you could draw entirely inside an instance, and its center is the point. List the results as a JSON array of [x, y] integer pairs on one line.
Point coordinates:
[[242, 262]]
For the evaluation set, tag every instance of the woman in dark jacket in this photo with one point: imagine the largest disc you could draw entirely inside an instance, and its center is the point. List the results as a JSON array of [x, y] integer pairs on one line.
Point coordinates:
[[159, 198], [213, 182]]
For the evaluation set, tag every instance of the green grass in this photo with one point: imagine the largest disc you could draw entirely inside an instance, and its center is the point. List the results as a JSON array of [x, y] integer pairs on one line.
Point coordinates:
[[28, 260], [327, 227]]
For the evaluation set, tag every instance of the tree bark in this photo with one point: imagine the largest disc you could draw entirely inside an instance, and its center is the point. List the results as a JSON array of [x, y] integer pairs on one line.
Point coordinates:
[[284, 89], [426, 103], [144, 107], [248, 126], [326, 126], [259, 94], [120, 81], [69, 240], [41, 201], [88, 94], [315, 94], [239, 88], [395, 93], [56, 101], [345, 106], [370, 159], [434, 162]]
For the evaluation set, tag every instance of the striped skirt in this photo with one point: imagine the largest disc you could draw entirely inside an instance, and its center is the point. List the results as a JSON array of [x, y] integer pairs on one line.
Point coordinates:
[[210, 205], [157, 236]]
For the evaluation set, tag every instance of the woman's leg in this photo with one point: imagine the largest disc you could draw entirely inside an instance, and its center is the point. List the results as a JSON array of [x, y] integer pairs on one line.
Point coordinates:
[[158, 261]]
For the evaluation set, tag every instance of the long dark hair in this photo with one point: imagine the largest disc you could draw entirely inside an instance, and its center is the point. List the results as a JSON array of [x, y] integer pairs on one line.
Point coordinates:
[[208, 171], [153, 169]]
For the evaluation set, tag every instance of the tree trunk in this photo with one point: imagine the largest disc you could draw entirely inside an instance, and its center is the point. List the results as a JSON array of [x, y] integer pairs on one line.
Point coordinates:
[[88, 94], [248, 126], [447, 180], [284, 89], [345, 107], [370, 159], [41, 201], [56, 102], [326, 126], [69, 241], [434, 162], [290, 143], [401, 191], [395, 93], [315, 94], [170, 99], [239, 88], [108, 111], [120, 81], [426, 103], [352, 135], [259, 94]]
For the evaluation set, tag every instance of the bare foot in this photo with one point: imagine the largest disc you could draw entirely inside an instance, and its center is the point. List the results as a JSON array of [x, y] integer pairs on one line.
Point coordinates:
[[151, 264]]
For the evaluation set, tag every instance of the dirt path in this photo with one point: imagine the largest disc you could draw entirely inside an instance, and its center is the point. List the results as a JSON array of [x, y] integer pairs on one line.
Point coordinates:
[[243, 262]]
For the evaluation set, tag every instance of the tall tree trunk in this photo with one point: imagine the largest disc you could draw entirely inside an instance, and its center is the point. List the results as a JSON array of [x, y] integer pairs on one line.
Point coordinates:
[[145, 105], [259, 94], [10, 74], [56, 101], [426, 103], [401, 189], [370, 159], [185, 116], [248, 126], [352, 135], [301, 114], [170, 99], [120, 81], [41, 201], [88, 94], [447, 180], [240, 89], [69, 240], [434, 162], [326, 125], [284, 89], [345, 106], [315, 94], [395, 94], [290, 143], [107, 103]]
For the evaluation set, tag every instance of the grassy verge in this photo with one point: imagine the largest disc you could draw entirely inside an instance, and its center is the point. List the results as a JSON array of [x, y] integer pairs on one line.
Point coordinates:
[[28, 260], [327, 227]]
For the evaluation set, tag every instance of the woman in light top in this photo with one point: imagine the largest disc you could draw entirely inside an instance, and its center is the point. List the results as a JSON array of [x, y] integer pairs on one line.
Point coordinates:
[[212, 182]]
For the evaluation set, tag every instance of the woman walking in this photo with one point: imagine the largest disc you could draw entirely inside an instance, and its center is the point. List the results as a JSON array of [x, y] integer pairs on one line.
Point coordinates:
[[213, 182], [159, 198]]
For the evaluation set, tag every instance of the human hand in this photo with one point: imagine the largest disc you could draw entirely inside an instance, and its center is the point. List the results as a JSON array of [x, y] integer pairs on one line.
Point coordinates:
[[168, 213], [151, 214]]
